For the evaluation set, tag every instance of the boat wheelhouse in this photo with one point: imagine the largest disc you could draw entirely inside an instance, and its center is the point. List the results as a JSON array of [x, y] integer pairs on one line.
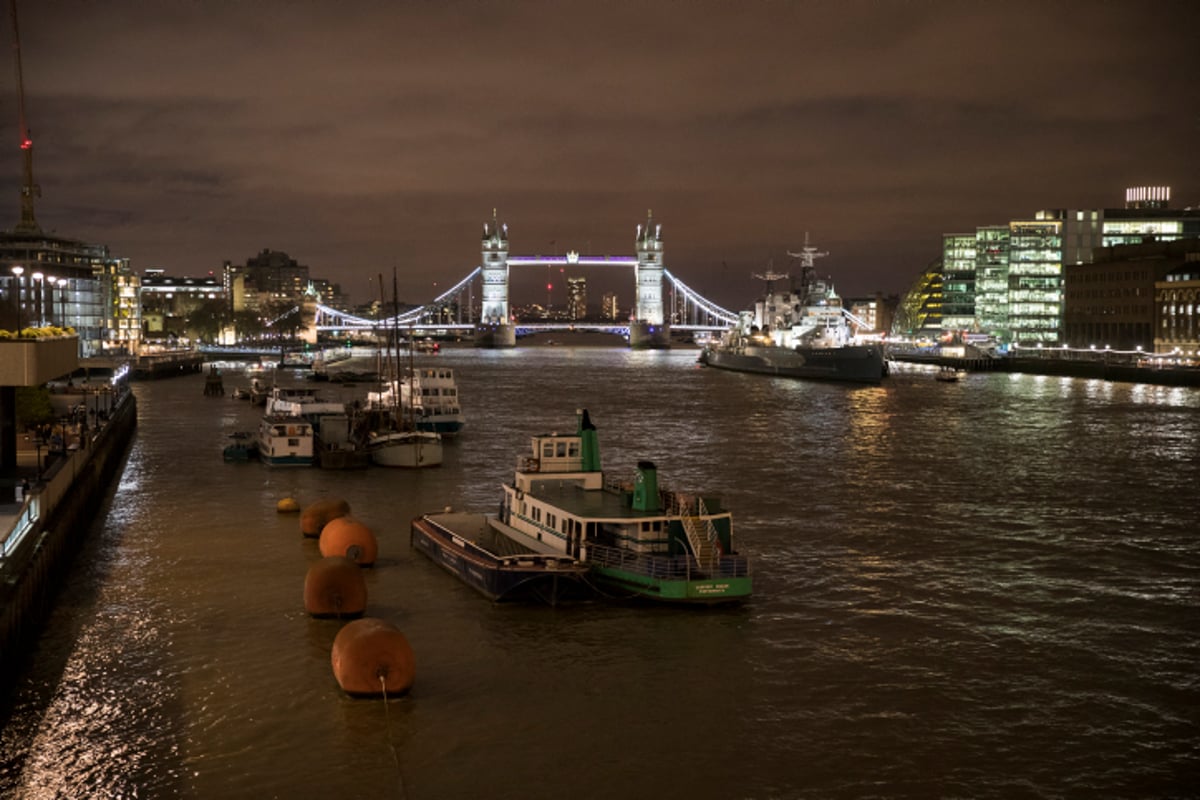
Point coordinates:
[[428, 396]]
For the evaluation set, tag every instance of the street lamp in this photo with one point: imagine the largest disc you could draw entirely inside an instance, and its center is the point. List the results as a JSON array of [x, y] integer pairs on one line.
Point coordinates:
[[39, 278], [62, 302], [16, 271]]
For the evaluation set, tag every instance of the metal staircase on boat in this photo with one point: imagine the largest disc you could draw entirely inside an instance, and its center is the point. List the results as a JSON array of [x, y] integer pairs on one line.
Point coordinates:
[[701, 533]]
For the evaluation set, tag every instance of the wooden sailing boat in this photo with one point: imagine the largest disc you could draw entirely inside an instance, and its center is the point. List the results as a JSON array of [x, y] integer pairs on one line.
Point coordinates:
[[398, 443]]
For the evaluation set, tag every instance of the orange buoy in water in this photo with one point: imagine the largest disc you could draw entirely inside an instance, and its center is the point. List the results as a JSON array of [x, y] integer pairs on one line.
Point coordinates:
[[346, 536], [287, 505], [335, 587], [371, 657], [316, 515]]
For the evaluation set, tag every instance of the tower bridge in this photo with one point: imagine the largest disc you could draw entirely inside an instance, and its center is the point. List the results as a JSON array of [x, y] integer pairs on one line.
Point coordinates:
[[493, 324]]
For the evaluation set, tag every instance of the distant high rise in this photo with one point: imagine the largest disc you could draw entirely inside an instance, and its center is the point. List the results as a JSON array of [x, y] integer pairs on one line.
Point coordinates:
[[608, 306], [576, 298]]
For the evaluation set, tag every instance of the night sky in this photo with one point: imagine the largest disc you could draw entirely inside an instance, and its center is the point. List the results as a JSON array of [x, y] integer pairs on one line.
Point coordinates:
[[365, 136]]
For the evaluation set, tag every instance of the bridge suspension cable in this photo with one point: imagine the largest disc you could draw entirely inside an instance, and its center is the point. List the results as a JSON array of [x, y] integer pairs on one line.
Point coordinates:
[[723, 315]]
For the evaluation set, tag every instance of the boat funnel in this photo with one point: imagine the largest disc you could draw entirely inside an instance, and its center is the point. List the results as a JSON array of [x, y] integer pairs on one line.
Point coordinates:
[[589, 450], [645, 487]]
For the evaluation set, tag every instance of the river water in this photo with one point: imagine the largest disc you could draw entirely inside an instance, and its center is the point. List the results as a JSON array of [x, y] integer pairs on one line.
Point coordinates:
[[982, 589]]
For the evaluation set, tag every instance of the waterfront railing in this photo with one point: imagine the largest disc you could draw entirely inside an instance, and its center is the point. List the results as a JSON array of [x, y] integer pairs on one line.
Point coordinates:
[[52, 487]]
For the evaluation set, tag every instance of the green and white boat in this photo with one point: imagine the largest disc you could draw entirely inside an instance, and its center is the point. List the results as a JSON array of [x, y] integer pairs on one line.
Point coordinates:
[[640, 540]]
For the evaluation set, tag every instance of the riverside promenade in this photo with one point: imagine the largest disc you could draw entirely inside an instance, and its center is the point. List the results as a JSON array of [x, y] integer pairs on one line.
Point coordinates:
[[1133, 366], [42, 527]]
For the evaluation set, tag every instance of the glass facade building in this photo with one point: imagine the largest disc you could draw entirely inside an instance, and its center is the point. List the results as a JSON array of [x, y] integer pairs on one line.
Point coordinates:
[[958, 281], [70, 284], [1035, 281], [991, 280]]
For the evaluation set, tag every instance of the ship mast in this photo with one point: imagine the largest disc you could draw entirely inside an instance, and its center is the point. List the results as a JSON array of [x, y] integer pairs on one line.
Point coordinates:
[[770, 276], [29, 189], [808, 256]]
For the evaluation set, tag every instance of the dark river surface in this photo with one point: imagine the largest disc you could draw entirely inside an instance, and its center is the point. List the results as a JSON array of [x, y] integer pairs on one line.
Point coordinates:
[[980, 589]]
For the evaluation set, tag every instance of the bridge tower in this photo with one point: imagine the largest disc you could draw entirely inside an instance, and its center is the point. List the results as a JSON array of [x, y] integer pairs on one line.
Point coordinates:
[[647, 330], [495, 327]]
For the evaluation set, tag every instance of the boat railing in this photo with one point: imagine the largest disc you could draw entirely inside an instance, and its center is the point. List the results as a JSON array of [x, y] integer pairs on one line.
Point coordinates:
[[681, 567]]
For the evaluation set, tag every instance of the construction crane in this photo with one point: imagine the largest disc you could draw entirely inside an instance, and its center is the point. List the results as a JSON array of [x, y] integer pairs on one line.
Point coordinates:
[[29, 189]]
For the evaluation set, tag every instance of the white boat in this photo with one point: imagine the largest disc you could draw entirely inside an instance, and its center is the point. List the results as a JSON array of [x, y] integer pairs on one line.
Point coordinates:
[[285, 441], [412, 449], [301, 402], [393, 440], [427, 396], [949, 374]]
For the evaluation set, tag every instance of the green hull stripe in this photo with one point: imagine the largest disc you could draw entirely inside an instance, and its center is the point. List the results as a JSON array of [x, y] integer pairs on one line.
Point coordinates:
[[700, 590]]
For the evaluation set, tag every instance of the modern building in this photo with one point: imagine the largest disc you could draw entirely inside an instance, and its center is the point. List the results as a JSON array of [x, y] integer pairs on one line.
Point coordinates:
[[1034, 281], [576, 298], [609, 308], [51, 280], [991, 280], [959, 271], [54, 281], [920, 313], [1017, 291]]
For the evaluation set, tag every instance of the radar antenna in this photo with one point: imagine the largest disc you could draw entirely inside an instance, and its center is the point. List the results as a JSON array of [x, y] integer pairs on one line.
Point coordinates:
[[808, 254], [770, 276], [29, 189]]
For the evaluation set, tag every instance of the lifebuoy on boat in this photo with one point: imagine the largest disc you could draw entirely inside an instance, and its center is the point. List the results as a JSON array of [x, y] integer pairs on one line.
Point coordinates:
[[533, 465]]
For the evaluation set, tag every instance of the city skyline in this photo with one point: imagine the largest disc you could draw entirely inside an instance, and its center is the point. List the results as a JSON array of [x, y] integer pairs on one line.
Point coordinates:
[[183, 135]]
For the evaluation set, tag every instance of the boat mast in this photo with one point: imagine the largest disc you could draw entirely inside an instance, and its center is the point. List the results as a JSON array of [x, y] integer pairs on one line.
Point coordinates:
[[808, 256], [29, 189]]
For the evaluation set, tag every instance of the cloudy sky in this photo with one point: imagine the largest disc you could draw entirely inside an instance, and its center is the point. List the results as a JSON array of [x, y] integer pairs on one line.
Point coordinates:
[[365, 136]]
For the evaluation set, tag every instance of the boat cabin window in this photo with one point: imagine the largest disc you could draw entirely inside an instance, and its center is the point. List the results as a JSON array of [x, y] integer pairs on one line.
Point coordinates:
[[547, 449]]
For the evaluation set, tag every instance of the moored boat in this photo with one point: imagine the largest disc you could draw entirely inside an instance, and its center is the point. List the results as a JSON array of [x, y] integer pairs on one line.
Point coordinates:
[[404, 448], [428, 396], [639, 540], [285, 441], [801, 332], [496, 561], [337, 445], [299, 401], [244, 447]]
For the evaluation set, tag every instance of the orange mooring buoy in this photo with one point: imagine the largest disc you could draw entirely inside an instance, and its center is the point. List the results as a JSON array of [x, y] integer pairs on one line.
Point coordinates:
[[316, 515], [335, 587], [371, 657], [287, 505], [346, 536]]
